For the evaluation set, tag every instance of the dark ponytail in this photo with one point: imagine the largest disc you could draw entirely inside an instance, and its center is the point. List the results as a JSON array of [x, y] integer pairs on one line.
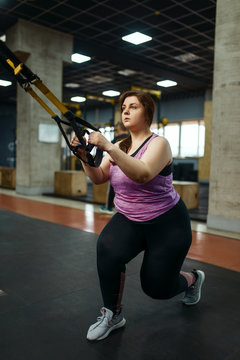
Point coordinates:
[[125, 144]]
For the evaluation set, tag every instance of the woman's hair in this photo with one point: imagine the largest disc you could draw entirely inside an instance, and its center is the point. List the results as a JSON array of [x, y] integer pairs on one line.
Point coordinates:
[[149, 108]]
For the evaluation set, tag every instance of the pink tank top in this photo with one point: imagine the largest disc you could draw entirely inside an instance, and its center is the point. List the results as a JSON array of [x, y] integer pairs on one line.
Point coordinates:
[[142, 202]]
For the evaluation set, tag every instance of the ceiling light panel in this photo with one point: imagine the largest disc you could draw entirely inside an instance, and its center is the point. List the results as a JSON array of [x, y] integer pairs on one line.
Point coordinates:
[[5, 83], [78, 99], [127, 72], [72, 85], [186, 57], [98, 79], [111, 93], [79, 58], [136, 38], [166, 83]]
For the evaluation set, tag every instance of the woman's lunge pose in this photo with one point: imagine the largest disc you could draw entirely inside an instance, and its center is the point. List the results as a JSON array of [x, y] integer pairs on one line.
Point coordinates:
[[151, 217]]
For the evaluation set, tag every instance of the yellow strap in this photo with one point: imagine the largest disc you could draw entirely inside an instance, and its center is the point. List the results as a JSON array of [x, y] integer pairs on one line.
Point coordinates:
[[157, 93], [16, 69], [43, 88], [100, 98], [29, 89], [10, 63]]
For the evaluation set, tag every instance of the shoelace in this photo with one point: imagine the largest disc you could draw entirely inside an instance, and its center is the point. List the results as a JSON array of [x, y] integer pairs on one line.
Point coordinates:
[[103, 317], [193, 288]]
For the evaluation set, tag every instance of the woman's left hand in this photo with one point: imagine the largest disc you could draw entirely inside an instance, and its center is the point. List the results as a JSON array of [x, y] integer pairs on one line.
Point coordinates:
[[97, 139]]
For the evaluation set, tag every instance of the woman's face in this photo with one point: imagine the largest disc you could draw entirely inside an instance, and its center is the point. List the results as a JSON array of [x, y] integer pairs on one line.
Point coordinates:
[[133, 113]]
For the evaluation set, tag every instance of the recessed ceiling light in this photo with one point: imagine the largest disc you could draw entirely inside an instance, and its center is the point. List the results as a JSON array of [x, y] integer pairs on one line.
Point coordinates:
[[5, 83], [3, 37], [72, 85], [186, 57], [166, 83], [99, 79], [78, 99], [111, 93], [136, 38], [79, 58], [126, 72]]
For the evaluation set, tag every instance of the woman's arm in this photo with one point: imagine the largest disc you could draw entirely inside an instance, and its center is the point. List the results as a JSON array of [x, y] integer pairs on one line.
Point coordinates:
[[155, 158], [100, 174]]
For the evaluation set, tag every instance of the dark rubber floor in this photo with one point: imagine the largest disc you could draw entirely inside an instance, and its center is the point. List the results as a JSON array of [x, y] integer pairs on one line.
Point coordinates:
[[50, 296]]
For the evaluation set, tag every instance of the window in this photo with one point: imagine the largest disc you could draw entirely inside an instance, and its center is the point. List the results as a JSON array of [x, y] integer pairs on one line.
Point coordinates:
[[201, 139], [189, 139], [108, 132], [156, 130], [186, 138], [172, 132]]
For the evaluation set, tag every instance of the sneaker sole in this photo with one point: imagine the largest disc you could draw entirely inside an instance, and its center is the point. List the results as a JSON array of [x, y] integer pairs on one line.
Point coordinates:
[[203, 278], [117, 326]]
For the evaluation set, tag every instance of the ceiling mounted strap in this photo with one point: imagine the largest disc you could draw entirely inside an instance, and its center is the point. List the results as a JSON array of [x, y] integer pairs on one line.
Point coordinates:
[[26, 78]]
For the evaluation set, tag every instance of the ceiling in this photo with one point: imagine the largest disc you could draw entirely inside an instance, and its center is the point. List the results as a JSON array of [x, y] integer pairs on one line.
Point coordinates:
[[177, 28]]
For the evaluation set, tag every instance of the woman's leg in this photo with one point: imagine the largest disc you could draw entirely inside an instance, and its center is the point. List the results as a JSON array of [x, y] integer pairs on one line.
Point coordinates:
[[119, 242], [168, 241]]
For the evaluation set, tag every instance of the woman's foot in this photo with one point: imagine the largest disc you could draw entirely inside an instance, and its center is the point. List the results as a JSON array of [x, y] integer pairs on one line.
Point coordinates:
[[103, 209], [106, 323], [193, 293]]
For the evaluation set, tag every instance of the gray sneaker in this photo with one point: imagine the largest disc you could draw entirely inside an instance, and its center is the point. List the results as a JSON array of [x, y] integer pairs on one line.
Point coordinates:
[[105, 324], [193, 293]]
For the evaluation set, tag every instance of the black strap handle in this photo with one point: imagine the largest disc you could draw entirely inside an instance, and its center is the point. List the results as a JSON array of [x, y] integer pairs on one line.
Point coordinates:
[[93, 161]]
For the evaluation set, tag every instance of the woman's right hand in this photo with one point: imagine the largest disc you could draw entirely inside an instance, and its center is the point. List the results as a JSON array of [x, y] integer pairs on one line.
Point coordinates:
[[81, 151]]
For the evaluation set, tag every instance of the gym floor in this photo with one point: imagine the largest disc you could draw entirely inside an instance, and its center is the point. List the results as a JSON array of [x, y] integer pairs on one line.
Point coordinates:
[[49, 292]]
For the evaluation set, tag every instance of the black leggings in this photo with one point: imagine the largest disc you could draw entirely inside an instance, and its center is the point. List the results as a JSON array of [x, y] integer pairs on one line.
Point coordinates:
[[165, 241]]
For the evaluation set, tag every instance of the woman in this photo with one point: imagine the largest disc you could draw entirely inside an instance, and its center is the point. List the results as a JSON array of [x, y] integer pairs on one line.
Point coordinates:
[[150, 216]]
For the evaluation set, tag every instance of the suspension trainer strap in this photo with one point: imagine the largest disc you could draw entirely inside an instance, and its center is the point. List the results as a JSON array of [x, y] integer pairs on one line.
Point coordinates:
[[25, 77]]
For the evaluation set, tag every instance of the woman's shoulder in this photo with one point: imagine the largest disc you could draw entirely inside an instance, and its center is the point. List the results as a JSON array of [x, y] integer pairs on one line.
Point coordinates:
[[159, 144], [158, 139]]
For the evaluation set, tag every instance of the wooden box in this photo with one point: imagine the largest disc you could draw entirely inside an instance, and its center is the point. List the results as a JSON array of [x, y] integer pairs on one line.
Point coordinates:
[[70, 183], [189, 192], [100, 193], [8, 177]]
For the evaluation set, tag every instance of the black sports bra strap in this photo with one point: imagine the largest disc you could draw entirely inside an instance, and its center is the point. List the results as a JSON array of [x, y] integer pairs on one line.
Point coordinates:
[[145, 141], [167, 170]]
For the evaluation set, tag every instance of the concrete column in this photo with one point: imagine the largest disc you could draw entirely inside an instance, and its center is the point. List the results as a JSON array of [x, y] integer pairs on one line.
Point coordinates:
[[43, 50], [224, 197], [204, 162]]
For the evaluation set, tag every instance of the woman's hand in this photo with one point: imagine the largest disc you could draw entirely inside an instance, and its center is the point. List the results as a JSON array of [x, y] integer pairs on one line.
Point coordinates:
[[81, 151], [98, 175], [97, 139]]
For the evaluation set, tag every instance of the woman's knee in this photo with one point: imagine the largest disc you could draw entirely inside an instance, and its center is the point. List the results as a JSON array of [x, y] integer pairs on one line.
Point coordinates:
[[159, 291]]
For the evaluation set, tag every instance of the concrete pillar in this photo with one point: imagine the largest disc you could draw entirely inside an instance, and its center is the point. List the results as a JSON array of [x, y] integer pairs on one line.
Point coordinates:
[[224, 197], [43, 50], [204, 162]]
